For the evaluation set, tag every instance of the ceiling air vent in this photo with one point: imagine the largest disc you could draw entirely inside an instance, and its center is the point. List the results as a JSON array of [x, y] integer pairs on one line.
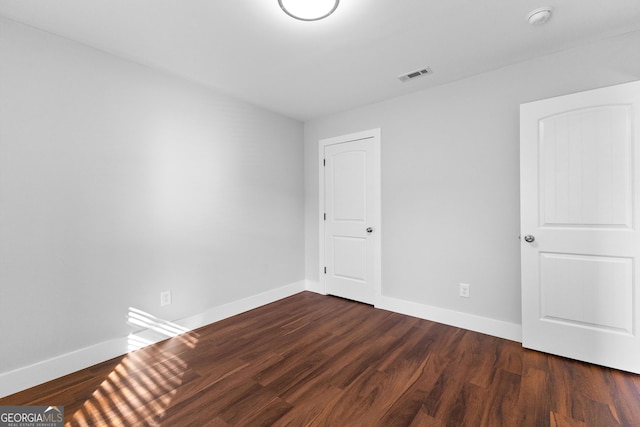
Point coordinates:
[[414, 74]]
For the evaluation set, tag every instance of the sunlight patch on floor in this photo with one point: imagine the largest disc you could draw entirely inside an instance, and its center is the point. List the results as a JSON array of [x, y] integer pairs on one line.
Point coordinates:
[[141, 387]]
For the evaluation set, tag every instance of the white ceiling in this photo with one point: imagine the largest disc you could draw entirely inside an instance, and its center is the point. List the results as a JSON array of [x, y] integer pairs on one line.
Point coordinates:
[[252, 50]]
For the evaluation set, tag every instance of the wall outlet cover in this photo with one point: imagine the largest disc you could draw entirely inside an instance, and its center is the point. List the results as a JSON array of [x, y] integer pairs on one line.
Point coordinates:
[[464, 290], [165, 298]]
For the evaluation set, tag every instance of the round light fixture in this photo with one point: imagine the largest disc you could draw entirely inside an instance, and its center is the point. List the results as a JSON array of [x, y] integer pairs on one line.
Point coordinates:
[[309, 10], [540, 15]]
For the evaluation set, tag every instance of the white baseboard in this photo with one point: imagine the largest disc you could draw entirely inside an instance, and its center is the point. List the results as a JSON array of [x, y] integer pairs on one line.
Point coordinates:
[[484, 325], [314, 286], [236, 307], [47, 370]]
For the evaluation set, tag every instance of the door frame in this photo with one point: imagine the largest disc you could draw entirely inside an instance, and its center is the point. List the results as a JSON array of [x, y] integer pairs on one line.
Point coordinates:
[[373, 134]]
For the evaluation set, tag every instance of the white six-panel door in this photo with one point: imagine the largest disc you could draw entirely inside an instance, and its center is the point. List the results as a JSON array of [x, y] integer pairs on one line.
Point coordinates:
[[350, 216], [580, 195]]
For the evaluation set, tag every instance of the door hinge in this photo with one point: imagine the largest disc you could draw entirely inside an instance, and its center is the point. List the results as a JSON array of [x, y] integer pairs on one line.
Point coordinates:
[[325, 270], [325, 216], [324, 162]]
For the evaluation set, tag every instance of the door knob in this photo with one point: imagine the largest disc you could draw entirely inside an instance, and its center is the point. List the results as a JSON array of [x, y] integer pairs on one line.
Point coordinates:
[[529, 238], [369, 230]]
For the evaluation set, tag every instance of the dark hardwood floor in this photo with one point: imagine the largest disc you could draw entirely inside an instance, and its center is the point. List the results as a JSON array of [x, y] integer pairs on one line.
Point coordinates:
[[323, 361]]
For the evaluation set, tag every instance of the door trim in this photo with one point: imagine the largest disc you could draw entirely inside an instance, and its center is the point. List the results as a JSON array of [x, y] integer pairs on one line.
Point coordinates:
[[373, 134]]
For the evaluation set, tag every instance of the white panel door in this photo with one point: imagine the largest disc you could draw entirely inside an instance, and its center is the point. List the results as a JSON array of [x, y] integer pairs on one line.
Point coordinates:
[[579, 214], [351, 223]]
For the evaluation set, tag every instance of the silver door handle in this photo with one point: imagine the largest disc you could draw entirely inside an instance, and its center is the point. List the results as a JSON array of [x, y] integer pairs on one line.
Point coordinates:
[[529, 238], [369, 230]]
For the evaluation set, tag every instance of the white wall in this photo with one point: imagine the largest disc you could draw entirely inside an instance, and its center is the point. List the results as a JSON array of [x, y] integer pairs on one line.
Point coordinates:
[[118, 182], [450, 177]]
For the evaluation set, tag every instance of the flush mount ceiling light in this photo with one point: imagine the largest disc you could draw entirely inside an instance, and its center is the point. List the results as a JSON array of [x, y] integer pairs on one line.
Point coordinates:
[[309, 10], [539, 16]]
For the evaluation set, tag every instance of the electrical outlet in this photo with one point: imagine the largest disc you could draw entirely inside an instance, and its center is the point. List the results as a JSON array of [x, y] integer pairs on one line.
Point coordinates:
[[464, 290], [165, 298]]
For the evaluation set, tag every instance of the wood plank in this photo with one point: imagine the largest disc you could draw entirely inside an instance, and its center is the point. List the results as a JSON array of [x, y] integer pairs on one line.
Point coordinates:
[[319, 360]]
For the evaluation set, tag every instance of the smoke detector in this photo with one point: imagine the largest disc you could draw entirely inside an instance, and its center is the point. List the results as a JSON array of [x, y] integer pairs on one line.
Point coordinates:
[[414, 74], [540, 15]]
